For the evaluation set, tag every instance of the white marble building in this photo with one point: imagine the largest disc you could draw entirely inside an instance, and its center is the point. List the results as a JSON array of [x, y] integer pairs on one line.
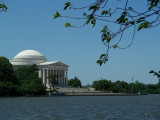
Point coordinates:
[[46, 68]]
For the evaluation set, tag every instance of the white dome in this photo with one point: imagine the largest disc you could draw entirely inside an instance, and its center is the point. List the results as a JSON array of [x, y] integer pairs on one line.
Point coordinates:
[[28, 57]]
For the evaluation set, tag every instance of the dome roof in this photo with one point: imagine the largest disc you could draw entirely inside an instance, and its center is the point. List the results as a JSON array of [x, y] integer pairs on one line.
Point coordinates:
[[28, 57]]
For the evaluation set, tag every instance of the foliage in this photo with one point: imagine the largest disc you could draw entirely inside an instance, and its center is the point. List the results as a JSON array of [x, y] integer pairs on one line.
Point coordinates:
[[21, 82], [6, 71], [3, 7], [53, 80], [31, 84], [155, 74], [123, 15], [120, 86], [102, 85], [124, 87], [8, 81], [75, 82]]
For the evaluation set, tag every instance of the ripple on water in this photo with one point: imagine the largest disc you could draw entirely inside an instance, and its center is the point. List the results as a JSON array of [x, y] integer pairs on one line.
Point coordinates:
[[81, 108]]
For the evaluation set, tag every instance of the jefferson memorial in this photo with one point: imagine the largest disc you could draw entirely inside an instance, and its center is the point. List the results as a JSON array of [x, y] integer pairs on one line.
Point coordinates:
[[46, 68]]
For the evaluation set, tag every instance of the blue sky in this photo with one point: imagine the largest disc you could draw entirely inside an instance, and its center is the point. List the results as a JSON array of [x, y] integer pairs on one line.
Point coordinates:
[[28, 24]]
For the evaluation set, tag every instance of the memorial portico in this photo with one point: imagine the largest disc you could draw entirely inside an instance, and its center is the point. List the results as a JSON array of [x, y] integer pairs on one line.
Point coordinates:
[[53, 68]]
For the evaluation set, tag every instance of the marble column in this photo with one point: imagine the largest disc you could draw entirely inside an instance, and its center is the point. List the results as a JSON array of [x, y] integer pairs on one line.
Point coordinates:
[[56, 75], [44, 76], [59, 77], [66, 77], [40, 73], [63, 77], [47, 77]]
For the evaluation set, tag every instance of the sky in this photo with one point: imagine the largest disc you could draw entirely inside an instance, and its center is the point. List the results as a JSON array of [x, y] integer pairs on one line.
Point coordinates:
[[28, 24]]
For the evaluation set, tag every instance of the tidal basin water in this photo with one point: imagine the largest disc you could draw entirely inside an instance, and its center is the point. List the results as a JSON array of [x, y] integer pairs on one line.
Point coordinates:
[[146, 107]]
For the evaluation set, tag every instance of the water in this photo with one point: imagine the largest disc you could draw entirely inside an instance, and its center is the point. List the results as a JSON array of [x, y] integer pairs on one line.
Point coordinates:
[[145, 107]]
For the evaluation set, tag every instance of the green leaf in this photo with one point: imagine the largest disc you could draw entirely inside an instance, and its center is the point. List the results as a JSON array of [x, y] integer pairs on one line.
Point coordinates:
[[93, 22], [142, 18], [95, 7], [115, 46], [84, 14], [67, 5], [108, 37], [151, 71], [122, 18], [99, 62], [67, 25], [3, 7], [124, 13], [132, 22], [150, 7], [103, 55], [130, 8], [56, 15], [104, 29], [104, 12], [145, 24], [89, 19], [103, 58]]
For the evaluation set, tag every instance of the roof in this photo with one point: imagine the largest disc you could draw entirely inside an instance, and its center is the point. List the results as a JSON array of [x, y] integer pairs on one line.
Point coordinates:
[[54, 63], [29, 52], [28, 57]]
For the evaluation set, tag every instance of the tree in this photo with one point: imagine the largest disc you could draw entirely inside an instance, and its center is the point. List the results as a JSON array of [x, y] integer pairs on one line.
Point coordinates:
[[103, 85], [124, 16], [8, 81], [75, 82], [3, 7], [120, 86], [155, 74], [6, 71], [30, 83], [53, 80]]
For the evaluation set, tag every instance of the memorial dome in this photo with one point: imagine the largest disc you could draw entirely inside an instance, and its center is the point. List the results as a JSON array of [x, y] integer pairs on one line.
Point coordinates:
[[28, 57]]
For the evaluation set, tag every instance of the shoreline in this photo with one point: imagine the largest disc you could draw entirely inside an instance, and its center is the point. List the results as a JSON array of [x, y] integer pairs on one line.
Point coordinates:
[[93, 94], [79, 94]]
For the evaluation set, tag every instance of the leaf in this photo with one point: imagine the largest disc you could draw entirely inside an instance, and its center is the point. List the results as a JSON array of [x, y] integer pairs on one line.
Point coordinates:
[[151, 71], [93, 22], [132, 22], [124, 13], [115, 46], [104, 29], [122, 18], [95, 7], [103, 55], [150, 7], [145, 24], [130, 8], [3, 7], [67, 5], [142, 18], [89, 19], [103, 58], [84, 14], [56, 15], [67, 25], [108, 37], [99, 62], [104, 12]]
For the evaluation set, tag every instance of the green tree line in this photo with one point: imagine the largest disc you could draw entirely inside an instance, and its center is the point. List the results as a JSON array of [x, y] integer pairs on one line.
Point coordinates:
[[20, 82], [124, 87]]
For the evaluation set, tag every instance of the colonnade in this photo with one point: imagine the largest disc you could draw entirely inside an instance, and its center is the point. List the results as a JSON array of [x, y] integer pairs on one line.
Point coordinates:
[[44, 73]]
